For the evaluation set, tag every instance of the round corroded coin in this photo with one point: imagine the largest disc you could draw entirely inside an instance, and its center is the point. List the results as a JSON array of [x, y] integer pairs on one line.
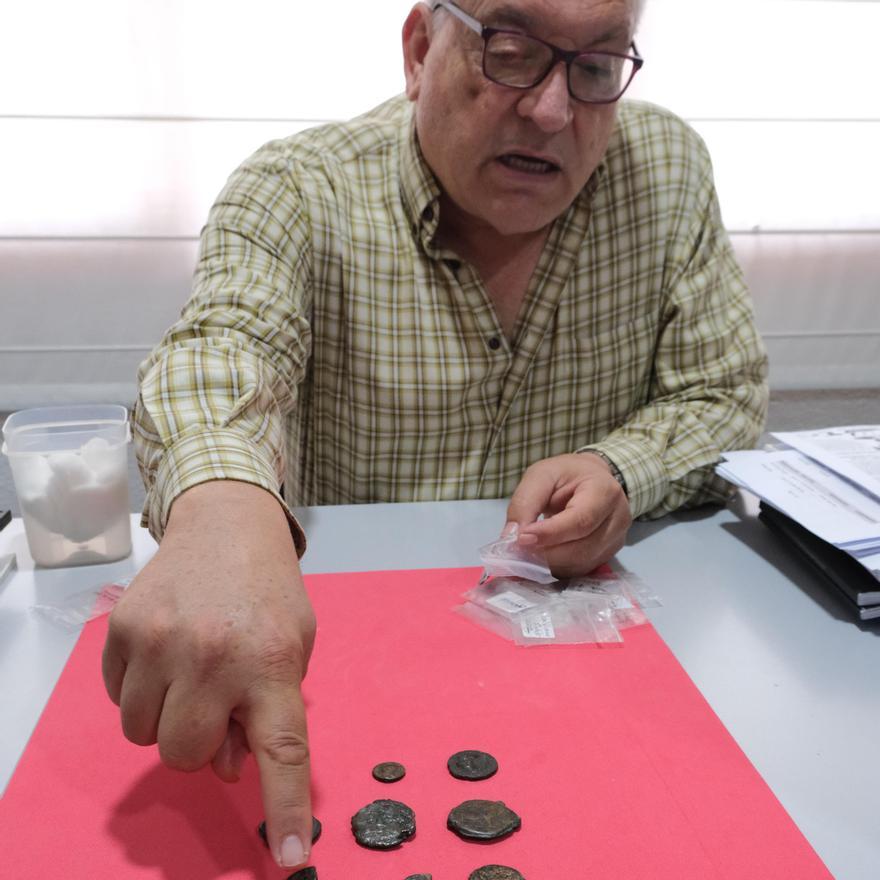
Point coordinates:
[[419, 877], [383, 824], [389, 771], [483, 820], [304, 874], [472, 764], [495, 872], [316, 830]]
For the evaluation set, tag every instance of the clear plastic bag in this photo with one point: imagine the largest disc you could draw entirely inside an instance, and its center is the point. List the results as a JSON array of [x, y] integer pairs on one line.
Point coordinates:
[[531, 614], [558, 622], [73, 612], [507, 558], [625, 607], [506, 596]]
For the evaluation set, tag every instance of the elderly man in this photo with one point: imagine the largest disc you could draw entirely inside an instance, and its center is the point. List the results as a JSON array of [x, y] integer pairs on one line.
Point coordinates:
[[507, 284]]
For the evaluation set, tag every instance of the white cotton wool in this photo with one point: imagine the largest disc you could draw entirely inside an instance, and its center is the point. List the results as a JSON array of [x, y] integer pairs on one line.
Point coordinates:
[[77, 495]]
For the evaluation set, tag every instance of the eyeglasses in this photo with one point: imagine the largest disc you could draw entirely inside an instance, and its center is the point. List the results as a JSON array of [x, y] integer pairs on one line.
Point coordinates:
[[514, 59]]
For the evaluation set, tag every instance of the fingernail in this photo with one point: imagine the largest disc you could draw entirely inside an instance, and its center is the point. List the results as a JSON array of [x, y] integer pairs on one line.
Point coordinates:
[[527, 539], [292, 852], [509, 529]]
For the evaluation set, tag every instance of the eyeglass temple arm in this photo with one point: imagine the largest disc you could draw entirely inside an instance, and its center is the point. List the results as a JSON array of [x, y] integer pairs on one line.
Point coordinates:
[[460, 14]]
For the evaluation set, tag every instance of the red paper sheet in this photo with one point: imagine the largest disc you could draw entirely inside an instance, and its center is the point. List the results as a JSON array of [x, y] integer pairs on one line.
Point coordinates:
[[613, 759]]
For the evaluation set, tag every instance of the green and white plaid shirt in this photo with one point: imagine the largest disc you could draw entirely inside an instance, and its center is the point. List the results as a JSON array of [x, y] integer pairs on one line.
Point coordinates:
[[331, 344]]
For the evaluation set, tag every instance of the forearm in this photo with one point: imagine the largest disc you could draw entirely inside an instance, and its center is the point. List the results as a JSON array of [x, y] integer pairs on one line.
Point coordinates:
[[667, 450]]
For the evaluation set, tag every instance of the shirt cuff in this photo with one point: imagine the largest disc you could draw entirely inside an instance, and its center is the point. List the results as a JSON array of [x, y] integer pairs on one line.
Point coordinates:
[[642, 469], [218, 454]]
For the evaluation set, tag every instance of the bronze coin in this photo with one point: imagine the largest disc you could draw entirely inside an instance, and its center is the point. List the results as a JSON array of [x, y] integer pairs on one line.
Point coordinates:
[[472, 764], [304, 874], [389, 771], [316, 830], [419, 877], [383, 824], [495, 872], [483, 820]]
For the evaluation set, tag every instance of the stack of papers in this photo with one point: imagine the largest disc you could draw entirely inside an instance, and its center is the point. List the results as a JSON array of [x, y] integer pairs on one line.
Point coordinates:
[[826, 480]]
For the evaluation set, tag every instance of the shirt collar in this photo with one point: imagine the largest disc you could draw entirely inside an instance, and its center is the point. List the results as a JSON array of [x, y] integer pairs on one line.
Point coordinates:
[[419, 187]]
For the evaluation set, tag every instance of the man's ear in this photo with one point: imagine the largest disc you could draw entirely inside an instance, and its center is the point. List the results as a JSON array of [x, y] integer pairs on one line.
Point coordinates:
[[417, 33]]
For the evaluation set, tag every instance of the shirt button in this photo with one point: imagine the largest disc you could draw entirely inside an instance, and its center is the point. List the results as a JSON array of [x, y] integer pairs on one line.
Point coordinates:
[[494, 343], [428, 214]]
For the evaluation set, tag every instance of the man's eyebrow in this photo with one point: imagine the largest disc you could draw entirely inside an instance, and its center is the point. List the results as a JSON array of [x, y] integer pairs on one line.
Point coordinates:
[[511, 16]]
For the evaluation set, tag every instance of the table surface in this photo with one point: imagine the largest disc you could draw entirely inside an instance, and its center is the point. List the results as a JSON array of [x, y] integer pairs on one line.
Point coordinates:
[[778, 659]]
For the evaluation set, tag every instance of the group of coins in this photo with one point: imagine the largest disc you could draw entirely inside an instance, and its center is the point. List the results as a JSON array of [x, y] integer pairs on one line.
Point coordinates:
[[385, 823]]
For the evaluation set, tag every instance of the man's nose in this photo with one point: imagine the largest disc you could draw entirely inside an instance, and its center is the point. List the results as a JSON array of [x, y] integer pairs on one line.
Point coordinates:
[[548, 104]]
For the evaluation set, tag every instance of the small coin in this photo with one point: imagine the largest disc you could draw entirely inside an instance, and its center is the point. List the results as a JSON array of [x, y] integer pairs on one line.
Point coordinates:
[[472, 764], [304, 874], [383, 824], [483, 820], [316, 830], [389, 771], [419, 877], [495, 872]]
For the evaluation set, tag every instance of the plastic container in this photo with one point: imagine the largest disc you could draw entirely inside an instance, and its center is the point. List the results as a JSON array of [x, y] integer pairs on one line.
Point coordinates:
[[70, 469]]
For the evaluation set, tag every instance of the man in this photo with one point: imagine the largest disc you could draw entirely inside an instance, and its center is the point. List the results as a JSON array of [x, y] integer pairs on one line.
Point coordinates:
[[505, 285]]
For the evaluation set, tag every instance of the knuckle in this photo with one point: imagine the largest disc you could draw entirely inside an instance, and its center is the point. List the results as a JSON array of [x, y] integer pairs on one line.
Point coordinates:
[[286, 748]]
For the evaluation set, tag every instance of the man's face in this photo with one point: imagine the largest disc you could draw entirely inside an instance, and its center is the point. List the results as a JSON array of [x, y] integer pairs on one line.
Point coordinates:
[[508, 158]]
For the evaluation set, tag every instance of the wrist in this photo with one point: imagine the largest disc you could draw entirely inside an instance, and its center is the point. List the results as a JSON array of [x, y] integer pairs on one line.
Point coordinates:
[[613, 469]]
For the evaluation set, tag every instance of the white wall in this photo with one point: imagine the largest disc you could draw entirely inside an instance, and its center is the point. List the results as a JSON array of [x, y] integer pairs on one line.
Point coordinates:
[[127, 115]]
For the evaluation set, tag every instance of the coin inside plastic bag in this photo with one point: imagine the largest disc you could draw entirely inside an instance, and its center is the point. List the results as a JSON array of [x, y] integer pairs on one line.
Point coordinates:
[[383, 824], [483, 820], [495, 872], [389, 771], [472, 764], [419, 877]]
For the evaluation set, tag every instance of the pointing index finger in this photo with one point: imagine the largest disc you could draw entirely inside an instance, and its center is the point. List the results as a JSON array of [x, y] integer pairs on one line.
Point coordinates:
[[276, 733]]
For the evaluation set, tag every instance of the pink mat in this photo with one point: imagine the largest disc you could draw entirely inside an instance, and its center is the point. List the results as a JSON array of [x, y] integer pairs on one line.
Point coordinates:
[[613, 759]]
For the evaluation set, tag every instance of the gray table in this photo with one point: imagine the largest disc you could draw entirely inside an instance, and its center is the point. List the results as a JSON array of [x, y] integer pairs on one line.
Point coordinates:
[[792, 678]]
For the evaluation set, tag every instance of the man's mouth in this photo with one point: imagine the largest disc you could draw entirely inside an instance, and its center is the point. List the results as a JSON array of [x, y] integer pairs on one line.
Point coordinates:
[[528, 164]]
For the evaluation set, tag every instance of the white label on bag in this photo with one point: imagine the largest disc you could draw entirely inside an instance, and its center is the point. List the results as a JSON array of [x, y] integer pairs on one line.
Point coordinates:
[[538, 626], [510, 602]]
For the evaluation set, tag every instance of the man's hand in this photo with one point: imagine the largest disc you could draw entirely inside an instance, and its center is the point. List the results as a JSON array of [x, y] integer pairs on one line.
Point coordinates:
[[208, 646], [586, 512]]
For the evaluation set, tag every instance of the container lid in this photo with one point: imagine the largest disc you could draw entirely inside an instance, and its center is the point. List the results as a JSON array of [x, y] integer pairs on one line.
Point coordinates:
[[64, 428]]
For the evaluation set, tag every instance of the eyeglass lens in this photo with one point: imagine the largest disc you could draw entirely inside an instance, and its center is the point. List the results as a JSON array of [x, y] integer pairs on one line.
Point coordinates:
[[518, 60]]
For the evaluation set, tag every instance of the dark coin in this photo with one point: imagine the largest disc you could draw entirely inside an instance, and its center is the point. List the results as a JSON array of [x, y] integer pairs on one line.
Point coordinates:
[[304, 874], [389, 771], [495, 872], [483, 820], [471, 764], [419, 877], [316, 830], [383, 824]]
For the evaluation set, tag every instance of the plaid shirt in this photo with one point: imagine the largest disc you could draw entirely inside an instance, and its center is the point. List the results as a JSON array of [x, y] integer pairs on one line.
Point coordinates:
[[332, 344]]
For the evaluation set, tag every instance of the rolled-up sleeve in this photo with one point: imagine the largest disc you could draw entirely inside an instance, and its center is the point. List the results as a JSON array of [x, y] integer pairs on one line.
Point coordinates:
[[708, 390], [213, 395]]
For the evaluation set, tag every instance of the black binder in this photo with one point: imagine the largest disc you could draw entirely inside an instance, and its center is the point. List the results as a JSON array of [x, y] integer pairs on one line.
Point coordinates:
[[858, 587]]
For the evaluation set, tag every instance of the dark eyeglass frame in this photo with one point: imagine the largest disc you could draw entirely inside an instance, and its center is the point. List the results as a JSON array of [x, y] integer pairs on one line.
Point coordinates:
[[568, 56]]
